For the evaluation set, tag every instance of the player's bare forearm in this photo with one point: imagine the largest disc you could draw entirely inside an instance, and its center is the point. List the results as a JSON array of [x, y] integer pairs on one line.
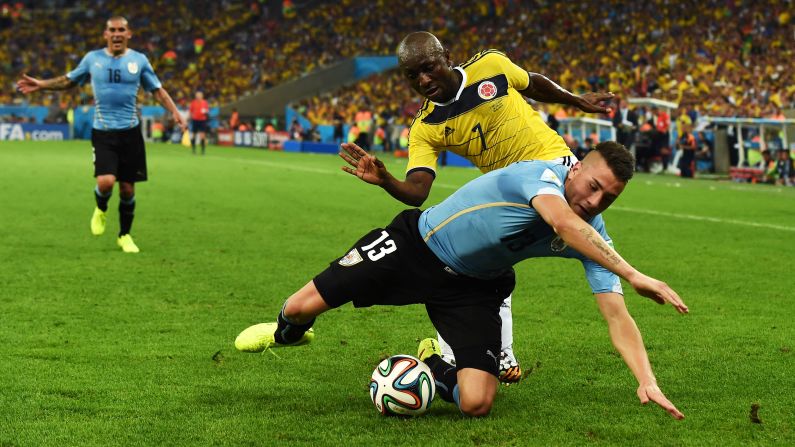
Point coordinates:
[[162, 97], [626, 337], [582, 237], [410, 192], [627, 340], [59, 83], [543, 89], [579, 235]]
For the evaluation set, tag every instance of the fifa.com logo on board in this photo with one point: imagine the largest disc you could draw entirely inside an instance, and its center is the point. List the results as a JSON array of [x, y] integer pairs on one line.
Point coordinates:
[[35, 132]]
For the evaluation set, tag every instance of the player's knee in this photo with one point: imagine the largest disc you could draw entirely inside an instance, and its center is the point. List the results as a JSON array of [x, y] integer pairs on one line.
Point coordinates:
[[476, 407], [126, 190], [305, 304], [105, 183]]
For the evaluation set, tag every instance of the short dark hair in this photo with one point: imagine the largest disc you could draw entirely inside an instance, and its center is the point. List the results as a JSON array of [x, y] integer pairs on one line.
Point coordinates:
[[618, 158]]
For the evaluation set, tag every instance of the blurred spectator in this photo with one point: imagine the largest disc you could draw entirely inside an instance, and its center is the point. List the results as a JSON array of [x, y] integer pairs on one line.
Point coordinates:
[[662, 136], [705, 152], [644, 146], [337, 122], [296, 131], [582, 150], [158, 131], [625, 121], [56, 113], [784, 168], [687, 144], [234, 119], [768, 166]]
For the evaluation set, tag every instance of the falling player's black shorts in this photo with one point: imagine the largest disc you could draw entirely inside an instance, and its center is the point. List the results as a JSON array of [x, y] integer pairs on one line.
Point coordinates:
[[394, 266], [120, 153]]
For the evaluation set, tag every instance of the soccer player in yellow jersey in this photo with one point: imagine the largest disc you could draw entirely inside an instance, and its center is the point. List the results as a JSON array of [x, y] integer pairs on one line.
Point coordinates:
[[476, 110]]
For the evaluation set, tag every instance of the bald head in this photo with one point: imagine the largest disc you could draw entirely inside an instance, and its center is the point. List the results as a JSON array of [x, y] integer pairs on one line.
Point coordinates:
[[421, 44], [119, 20]]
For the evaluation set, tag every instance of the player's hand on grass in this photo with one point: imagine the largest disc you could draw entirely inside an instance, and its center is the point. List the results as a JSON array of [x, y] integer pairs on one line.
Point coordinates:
[[658, 291], [363, 165], [28, 84], [651, 392], [592, 102]]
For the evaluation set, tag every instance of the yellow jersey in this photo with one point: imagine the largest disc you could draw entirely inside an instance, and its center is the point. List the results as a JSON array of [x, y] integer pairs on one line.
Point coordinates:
[[488, 121]]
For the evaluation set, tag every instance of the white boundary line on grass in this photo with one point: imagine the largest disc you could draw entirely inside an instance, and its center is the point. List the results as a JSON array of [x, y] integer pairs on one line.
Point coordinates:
[[286, 166], [704, 218]]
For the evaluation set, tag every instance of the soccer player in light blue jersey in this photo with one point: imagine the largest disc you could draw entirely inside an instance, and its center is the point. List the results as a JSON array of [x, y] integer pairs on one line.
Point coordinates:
[[477, 110], [115, 72], [456, 258]]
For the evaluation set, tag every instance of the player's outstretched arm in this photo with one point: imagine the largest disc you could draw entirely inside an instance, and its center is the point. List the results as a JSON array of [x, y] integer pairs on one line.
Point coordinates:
[[162, 96], [28, 84], [627, 340], [582, 237], [543, 89], [370, 169]]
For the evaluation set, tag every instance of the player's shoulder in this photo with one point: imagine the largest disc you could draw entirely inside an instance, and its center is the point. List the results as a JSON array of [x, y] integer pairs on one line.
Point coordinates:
[[489, 57], [541, 169], [136, 54], [97, 53]]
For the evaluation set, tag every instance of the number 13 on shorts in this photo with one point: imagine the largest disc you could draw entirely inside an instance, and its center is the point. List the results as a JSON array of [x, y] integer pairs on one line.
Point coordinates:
[[380, 247]]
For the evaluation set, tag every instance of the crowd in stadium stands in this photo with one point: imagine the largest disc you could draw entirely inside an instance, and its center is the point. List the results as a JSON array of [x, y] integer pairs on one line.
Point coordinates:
[[187, 43], [715, 57]]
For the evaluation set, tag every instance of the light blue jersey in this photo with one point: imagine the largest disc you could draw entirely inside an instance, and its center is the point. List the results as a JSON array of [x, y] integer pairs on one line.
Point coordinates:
[[488, 225], [115, 82]]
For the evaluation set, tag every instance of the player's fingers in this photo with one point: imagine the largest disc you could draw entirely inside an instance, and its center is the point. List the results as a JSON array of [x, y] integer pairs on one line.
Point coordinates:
[[644, 398], [351, 161], [668, 406], [676, 413], [346, 147], [354, 150], [676, 301], [349, 170]]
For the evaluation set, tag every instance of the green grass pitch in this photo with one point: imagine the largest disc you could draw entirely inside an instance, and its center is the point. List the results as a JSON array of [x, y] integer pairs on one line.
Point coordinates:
[[105, 348]]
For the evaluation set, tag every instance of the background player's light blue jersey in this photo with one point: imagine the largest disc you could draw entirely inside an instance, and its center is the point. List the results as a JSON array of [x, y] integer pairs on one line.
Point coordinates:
[[115, 82], [488, 225]]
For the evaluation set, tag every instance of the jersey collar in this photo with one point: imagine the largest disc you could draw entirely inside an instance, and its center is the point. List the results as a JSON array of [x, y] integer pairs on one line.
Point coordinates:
[[460, 88], [109, 54]]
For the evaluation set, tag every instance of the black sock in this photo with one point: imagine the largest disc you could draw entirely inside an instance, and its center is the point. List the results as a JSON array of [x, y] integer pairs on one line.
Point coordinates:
[[288, 332], [126, 214], [102, 201], [203, 143], [446, 378]]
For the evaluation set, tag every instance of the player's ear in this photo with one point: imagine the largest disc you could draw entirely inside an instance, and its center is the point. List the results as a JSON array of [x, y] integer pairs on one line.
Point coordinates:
[[576, 168]]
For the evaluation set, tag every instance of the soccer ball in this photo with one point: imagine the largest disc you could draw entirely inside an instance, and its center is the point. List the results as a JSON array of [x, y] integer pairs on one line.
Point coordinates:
[[402, 385]]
